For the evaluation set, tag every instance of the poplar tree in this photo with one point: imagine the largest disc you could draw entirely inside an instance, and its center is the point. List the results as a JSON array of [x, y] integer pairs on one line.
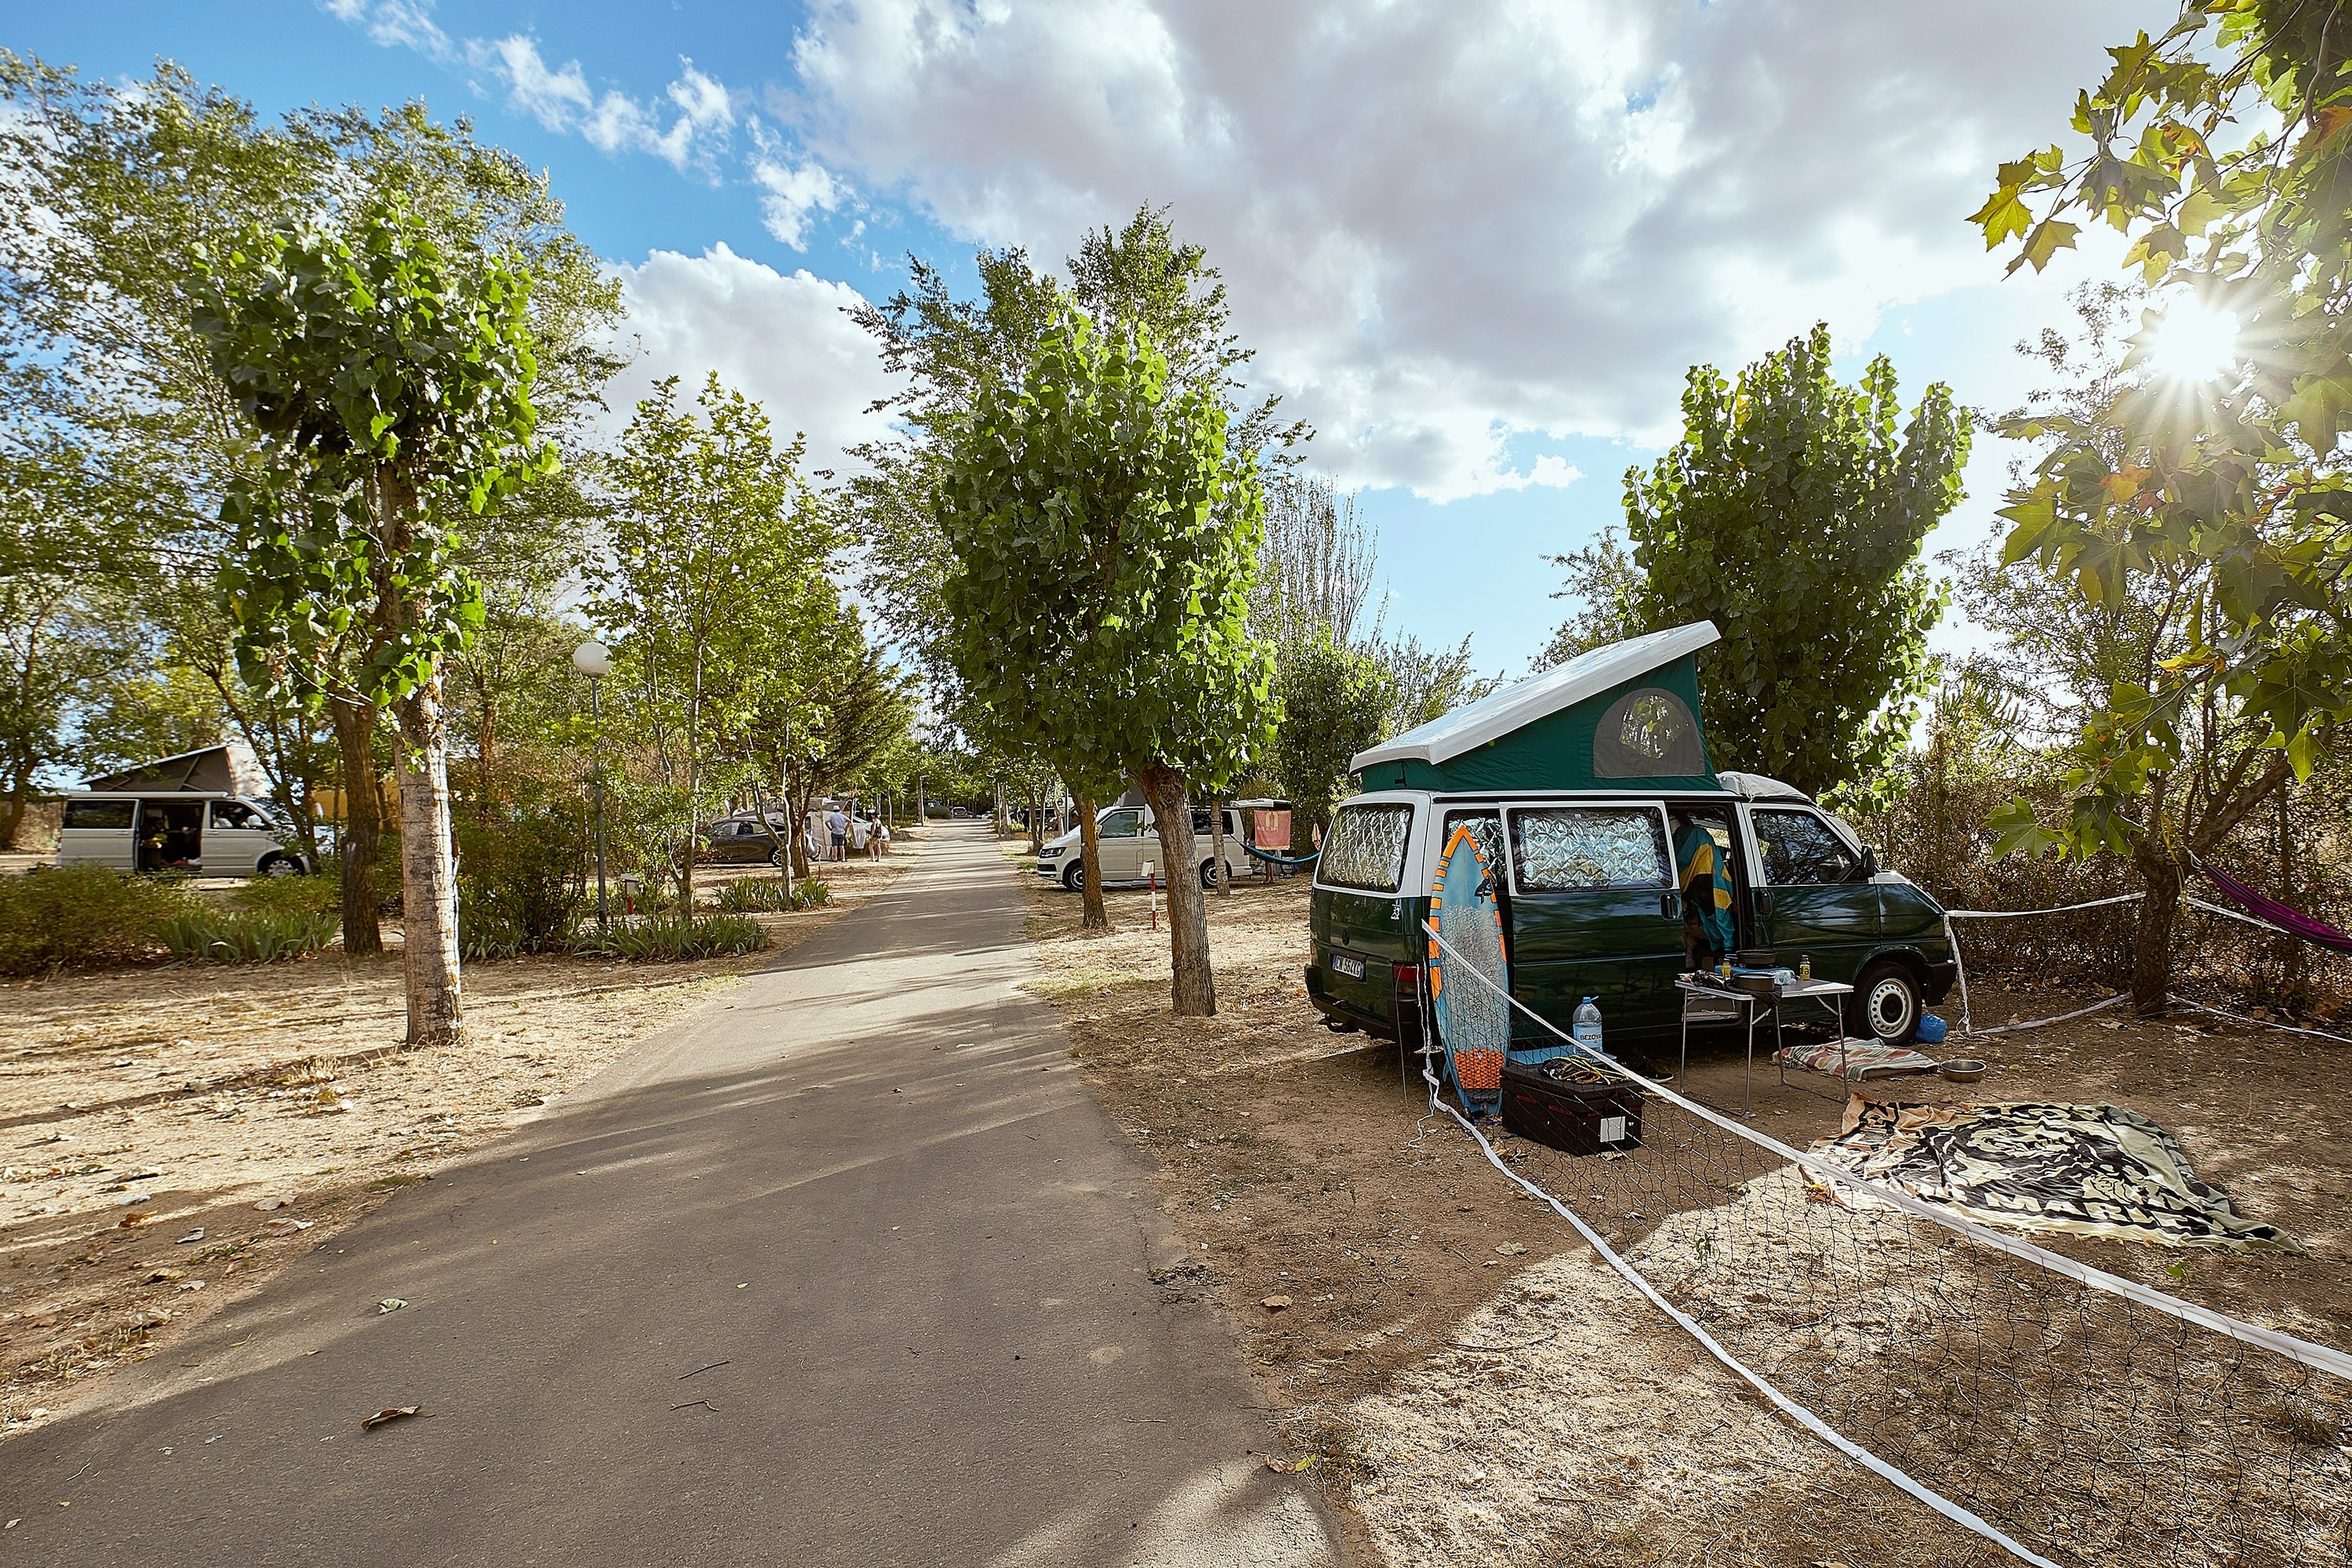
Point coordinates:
[[390, 377], [1104, 539]]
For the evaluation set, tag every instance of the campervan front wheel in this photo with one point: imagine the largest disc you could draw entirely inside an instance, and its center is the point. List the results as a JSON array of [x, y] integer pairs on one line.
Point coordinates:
[[1889, 996], [1074, 879], [281, 866], [1209, 875]]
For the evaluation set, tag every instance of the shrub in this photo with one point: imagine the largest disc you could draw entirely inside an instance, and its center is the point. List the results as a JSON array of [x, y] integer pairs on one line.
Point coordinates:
[[71, 916], [516, 882], [312, 895], [766, 895], [668, 940], [232, 937]]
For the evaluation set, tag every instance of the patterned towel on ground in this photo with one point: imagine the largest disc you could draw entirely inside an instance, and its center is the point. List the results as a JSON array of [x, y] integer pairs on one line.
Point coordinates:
[[2084, 1170], [1864, 1059]]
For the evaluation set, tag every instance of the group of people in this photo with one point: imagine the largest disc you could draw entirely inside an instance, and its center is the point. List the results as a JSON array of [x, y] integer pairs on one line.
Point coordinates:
[[836, 835]]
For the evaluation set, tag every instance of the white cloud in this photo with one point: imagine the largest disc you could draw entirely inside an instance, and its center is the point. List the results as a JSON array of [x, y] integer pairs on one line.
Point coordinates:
[[790, 193], [560, 99], [1447, 225], [395, 24], [556, 99], [781, 339]]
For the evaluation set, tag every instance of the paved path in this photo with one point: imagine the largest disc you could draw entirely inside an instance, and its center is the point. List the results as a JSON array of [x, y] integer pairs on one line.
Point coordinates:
[[869, 1184]]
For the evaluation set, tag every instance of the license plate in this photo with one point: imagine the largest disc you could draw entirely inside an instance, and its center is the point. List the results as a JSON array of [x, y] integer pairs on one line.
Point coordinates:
[[1349, 965]]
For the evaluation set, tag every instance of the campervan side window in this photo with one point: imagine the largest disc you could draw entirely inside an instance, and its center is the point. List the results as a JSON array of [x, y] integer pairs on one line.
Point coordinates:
[[1559, 849], [99, 813], [1365, 849]]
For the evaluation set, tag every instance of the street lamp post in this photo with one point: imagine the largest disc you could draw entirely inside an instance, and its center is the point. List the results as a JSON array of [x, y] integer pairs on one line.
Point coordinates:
[[594, 661]]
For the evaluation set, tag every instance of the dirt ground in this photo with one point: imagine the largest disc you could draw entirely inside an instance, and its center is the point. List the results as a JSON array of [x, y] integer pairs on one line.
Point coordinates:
[[167, 1128], [1470, 1381]]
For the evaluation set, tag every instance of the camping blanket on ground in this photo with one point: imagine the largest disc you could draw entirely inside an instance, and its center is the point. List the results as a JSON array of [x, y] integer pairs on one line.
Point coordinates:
[[1862, 1059], [2084, 1170]]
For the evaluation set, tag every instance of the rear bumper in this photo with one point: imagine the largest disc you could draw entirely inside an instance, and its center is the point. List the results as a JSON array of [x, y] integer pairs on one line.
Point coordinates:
[[1372, 1023]]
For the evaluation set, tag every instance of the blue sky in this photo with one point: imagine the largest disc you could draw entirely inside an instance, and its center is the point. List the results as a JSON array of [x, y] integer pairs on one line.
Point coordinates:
[[1478, 247]]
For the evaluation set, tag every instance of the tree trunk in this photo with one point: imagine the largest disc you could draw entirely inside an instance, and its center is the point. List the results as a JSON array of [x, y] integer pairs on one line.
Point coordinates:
[[1036, 819], [355, 724], [428, 884], [2151, 976], [1217, 839], [1096, 917], [1194, 990]]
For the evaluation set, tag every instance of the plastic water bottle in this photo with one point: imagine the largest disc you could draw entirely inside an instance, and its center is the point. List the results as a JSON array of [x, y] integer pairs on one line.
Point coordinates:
[[1588, 1026]]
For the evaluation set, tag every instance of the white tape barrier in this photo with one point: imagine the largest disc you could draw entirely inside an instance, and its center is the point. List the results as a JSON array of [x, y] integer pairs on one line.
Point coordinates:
[[1779, 1401], [2238, 915], [2020, 914], [1959, 970], [2060, 1018], [2265, 1023], [2320, 1358]]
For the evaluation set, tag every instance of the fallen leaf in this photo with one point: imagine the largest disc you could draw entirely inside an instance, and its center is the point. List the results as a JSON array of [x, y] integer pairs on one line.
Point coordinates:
[[1510, 1248], [266, 1205], [162, 1276], [192, 1284], [195, 1235], [389, 1304], [128, 1220], [1275, 1303], [283, 1226], [393, 1413]]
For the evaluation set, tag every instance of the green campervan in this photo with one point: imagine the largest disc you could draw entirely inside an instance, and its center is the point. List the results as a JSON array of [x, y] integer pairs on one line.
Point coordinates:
[[1580, 782]]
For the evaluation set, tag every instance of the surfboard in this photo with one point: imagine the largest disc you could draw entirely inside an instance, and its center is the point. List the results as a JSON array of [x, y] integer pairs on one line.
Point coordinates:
[[1472, 1009]]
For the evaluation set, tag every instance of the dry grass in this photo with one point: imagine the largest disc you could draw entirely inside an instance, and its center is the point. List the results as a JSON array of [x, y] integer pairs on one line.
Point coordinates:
[[1468, 1403]]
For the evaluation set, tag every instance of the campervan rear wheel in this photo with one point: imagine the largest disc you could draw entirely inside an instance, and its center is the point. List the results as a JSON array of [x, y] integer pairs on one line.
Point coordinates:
[[1889, 994], [776, 858], [1074, 879], [1209, 875]]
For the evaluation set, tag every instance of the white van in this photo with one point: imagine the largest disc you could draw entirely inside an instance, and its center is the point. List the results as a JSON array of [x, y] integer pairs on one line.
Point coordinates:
[[182, 831], [1127, 839]]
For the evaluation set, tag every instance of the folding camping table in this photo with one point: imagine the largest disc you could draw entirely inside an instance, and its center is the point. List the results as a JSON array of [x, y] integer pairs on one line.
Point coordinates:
[[1705, 999]]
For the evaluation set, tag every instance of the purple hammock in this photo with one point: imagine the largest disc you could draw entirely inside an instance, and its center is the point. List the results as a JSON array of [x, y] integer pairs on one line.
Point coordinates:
[[2318, 933]]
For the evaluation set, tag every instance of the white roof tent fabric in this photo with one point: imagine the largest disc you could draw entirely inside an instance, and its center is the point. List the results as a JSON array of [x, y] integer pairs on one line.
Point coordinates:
[[1589, 722], [230, 768]]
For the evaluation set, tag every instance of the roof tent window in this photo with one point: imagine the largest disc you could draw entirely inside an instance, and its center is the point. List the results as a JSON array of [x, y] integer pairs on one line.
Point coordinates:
[[1365, 849], [1557, 849], [1647, 733]]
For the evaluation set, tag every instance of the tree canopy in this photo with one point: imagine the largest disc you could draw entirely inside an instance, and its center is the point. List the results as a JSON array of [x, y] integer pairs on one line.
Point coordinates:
[[1792, 514], [1104, 539]]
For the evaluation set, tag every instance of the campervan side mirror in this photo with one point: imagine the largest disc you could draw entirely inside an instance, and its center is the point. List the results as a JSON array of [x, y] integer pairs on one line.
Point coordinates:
[[1869, 864]]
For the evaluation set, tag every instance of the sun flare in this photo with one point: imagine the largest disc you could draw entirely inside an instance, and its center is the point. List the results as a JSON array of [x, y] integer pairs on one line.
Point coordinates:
[[2193, 343]]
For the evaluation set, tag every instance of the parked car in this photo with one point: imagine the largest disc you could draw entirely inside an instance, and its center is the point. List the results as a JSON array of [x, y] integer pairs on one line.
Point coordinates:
[[1127, 838], [214, 835], [736, 840], [1579, 785], [958, 811]]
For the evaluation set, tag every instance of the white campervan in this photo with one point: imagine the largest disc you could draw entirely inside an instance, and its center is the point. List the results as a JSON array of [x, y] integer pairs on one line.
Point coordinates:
[[1126, 839], [180, 830]]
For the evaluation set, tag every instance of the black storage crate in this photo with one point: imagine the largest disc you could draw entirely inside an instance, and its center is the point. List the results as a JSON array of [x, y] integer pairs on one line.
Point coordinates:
[[1574, 1117]]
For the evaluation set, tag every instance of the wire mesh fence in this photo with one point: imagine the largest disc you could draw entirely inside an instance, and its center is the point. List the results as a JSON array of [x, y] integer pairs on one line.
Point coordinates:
[[2091, 1419]]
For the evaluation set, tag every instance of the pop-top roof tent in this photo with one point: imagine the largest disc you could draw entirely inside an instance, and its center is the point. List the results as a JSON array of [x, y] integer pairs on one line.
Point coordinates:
[[1620, 717], [229, 768]]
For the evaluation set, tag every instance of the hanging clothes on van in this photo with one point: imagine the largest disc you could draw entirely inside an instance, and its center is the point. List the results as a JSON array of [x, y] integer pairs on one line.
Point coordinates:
[[1704, 878]]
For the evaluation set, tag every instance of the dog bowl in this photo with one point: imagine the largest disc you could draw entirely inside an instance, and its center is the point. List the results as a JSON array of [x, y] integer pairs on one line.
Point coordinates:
[[1962, 1069]]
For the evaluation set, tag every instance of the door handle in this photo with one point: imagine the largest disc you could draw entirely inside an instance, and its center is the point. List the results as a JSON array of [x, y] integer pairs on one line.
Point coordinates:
[[1666, 906]]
